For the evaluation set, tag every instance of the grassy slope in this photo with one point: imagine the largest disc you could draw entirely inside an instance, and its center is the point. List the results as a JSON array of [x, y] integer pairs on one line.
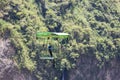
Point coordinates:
[[94, 27]]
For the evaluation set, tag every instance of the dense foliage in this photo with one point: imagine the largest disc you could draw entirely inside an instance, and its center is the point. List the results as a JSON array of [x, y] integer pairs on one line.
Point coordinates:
[[93, 25]]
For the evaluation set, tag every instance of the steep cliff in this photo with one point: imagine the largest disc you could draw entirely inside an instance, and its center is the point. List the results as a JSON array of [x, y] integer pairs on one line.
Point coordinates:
[[93, 49], [87, 69]]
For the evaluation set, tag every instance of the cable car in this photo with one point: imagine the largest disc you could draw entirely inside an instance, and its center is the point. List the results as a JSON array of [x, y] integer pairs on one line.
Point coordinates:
[[51, 43]]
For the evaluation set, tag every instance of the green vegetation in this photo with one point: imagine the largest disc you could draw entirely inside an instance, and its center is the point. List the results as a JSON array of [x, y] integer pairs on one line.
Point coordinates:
[[94, 26]]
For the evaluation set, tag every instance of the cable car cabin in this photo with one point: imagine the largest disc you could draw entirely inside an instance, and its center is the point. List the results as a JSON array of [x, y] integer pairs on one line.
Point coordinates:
[[50, 44]]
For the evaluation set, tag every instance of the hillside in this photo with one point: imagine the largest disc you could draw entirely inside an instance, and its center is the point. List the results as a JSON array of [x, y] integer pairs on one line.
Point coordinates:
[[93, 49]]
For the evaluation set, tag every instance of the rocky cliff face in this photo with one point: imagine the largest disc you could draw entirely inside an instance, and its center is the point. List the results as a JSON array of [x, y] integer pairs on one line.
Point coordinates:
[[8, 69], [87, 69], [94, 26]]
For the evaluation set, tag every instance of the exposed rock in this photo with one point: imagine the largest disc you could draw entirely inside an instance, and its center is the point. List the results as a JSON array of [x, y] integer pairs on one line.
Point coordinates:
[[8, 68], [87, 69]]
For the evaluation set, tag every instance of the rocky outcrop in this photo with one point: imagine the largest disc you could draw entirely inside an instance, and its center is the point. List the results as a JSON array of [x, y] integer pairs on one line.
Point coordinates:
[[87, 69], [8, 68]]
